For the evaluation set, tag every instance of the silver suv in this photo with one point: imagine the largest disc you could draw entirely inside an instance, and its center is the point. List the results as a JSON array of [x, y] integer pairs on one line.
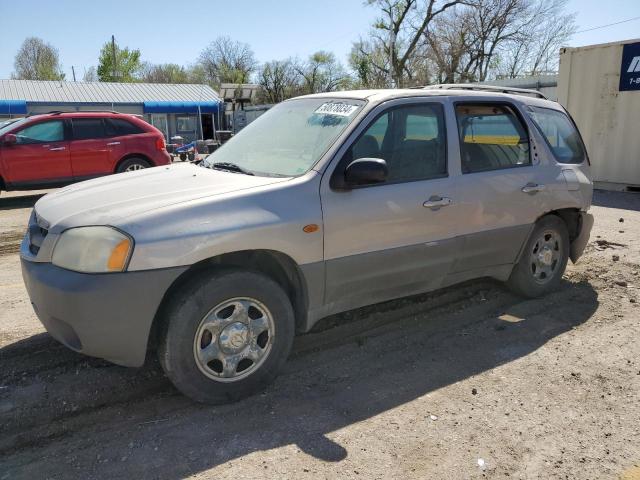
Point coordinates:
[[325, 203]]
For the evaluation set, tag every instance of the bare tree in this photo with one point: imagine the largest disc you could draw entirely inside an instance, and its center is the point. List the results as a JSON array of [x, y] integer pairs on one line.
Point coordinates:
[[546, 28], [448, 46], [37, 60], [483, 39], [399, 31], [90, 75], [164, 73], [228, 61], [279, 80]]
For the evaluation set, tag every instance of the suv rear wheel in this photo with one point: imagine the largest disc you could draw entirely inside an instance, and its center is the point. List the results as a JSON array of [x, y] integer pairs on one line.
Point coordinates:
[[133, 164], [543, 260], [226, 335]]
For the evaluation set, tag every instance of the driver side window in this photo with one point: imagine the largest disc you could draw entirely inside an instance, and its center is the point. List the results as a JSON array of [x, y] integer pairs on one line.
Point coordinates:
[[410, 139], [43, 132]]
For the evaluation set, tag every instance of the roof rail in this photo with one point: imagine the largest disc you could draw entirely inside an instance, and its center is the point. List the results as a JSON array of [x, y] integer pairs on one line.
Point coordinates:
[[486, 88]]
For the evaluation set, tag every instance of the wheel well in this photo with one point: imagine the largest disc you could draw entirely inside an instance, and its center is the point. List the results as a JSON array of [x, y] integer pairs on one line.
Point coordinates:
[[133, 155], [276, 265], [572, 219]]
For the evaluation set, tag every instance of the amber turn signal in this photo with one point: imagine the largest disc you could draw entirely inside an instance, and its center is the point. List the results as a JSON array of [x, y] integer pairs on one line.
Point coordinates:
[[312, 227], [118, 257]]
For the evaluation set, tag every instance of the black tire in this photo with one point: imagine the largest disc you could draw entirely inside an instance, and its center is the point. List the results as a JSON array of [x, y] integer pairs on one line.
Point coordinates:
[[133, 163], [183, 319], [523, 279]]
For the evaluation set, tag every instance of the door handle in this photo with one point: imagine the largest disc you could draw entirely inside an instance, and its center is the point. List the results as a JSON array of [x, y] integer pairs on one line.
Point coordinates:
[[436, 201], [113, 143], [57, 149], [533, 188]]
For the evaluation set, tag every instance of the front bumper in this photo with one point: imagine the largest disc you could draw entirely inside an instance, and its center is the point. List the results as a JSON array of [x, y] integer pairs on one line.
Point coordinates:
[[580, 242], [101, 315]]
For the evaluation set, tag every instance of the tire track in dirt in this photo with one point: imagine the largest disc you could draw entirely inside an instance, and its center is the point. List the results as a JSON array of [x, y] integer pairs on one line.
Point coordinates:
[[79, 390], [10, 242]]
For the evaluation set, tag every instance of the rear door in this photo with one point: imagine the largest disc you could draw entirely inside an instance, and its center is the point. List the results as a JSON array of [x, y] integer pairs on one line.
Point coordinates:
[[40, 156], [120, 140], [89, 149], [503, 187], [396, 238]]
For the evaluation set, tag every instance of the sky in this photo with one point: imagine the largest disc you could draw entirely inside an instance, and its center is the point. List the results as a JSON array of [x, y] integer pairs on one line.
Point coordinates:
[[176, 32]]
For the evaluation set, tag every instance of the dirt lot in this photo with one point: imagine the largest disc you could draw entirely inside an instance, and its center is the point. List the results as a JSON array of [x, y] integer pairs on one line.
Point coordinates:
[[470, 382]]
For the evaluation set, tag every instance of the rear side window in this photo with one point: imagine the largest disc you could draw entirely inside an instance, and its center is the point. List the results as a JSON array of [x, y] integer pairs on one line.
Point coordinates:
[[560, 133], [87, 128], [118, 126], [43, 132], [492, 137]]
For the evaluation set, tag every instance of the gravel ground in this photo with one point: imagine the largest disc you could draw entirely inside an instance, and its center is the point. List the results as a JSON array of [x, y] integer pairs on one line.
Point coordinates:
[[468, 382]]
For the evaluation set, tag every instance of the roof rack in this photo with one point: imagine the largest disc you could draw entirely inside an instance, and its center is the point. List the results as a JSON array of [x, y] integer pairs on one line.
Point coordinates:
[[486, 88], [59, 112]]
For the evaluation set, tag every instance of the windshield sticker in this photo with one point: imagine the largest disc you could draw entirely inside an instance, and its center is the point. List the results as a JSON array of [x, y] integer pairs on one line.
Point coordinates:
[[338, 109]]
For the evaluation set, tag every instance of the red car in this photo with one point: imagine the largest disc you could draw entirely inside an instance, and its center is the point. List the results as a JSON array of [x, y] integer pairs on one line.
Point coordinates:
[[56, 149]]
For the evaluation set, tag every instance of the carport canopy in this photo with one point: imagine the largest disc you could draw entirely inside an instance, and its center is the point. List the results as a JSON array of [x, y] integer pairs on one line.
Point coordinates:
[[181, 107]]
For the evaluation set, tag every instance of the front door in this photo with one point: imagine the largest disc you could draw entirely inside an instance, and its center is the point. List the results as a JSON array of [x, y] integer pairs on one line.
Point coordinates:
[[40, 157], [392, 239]]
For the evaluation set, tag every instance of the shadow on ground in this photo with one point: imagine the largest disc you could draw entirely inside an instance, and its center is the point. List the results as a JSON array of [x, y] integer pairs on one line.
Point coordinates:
[[620, 200], [382, 357], [23, 201]]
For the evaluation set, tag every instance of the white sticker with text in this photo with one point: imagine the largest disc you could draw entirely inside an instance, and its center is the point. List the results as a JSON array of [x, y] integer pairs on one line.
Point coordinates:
[[339, 109]]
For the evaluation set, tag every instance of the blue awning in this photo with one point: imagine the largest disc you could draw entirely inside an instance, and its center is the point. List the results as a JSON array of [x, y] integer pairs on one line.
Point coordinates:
[[180, 107], [13, 107]]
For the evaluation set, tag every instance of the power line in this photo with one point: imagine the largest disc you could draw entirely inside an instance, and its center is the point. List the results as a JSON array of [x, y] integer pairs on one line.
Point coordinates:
[[609, 25]]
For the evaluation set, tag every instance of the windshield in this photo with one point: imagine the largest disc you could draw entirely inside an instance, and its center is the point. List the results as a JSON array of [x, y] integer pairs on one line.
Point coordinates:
[[289, 138], [9, 124]]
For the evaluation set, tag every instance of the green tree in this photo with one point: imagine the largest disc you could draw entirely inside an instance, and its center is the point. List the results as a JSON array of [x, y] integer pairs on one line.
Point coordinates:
[[322, 73], [127, 65], [37, 60]]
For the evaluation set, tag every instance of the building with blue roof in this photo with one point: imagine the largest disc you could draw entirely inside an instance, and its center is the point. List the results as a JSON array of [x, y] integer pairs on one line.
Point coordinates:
[[187, 110]]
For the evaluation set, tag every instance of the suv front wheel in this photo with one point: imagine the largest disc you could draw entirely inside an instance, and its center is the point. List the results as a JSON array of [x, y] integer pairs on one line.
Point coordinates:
[[226, 335], [543, 260]]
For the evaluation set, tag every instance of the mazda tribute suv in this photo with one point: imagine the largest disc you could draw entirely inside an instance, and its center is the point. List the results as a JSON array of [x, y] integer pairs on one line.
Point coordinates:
[[325, 203]]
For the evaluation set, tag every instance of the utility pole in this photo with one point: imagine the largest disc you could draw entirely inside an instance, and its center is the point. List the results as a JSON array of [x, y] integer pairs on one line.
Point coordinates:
[[113, 50], [73, 71]]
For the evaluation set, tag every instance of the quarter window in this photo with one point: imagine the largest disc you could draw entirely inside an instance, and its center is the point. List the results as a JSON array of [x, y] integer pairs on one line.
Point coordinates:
[[87, 128], [560, 134], [491, 137], [410, 139], [42, 133], [116, 127]]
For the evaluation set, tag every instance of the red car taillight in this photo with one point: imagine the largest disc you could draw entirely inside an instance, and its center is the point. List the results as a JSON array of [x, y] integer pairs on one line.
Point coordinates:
[[160, 145]]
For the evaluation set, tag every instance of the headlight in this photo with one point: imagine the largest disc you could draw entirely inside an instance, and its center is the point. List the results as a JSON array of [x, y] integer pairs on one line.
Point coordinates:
[[93, 250]]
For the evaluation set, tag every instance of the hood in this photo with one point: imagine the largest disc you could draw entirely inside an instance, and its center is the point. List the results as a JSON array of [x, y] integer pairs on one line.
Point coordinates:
[[109, 200]]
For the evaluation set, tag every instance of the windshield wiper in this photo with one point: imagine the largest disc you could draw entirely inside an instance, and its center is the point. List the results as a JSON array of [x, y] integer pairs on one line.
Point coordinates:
[[231, 167]]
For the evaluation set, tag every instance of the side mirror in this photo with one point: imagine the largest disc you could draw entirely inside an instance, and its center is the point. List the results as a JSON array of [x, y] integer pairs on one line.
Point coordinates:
[[366, 171], [9, 139]]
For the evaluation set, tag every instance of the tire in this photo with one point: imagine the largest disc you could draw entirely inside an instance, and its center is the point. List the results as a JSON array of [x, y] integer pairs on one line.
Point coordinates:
[[543, 260], [204, 333], [132, 164]]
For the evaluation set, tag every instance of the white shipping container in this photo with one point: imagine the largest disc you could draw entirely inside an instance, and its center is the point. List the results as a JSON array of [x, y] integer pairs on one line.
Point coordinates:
[[609, 119]]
